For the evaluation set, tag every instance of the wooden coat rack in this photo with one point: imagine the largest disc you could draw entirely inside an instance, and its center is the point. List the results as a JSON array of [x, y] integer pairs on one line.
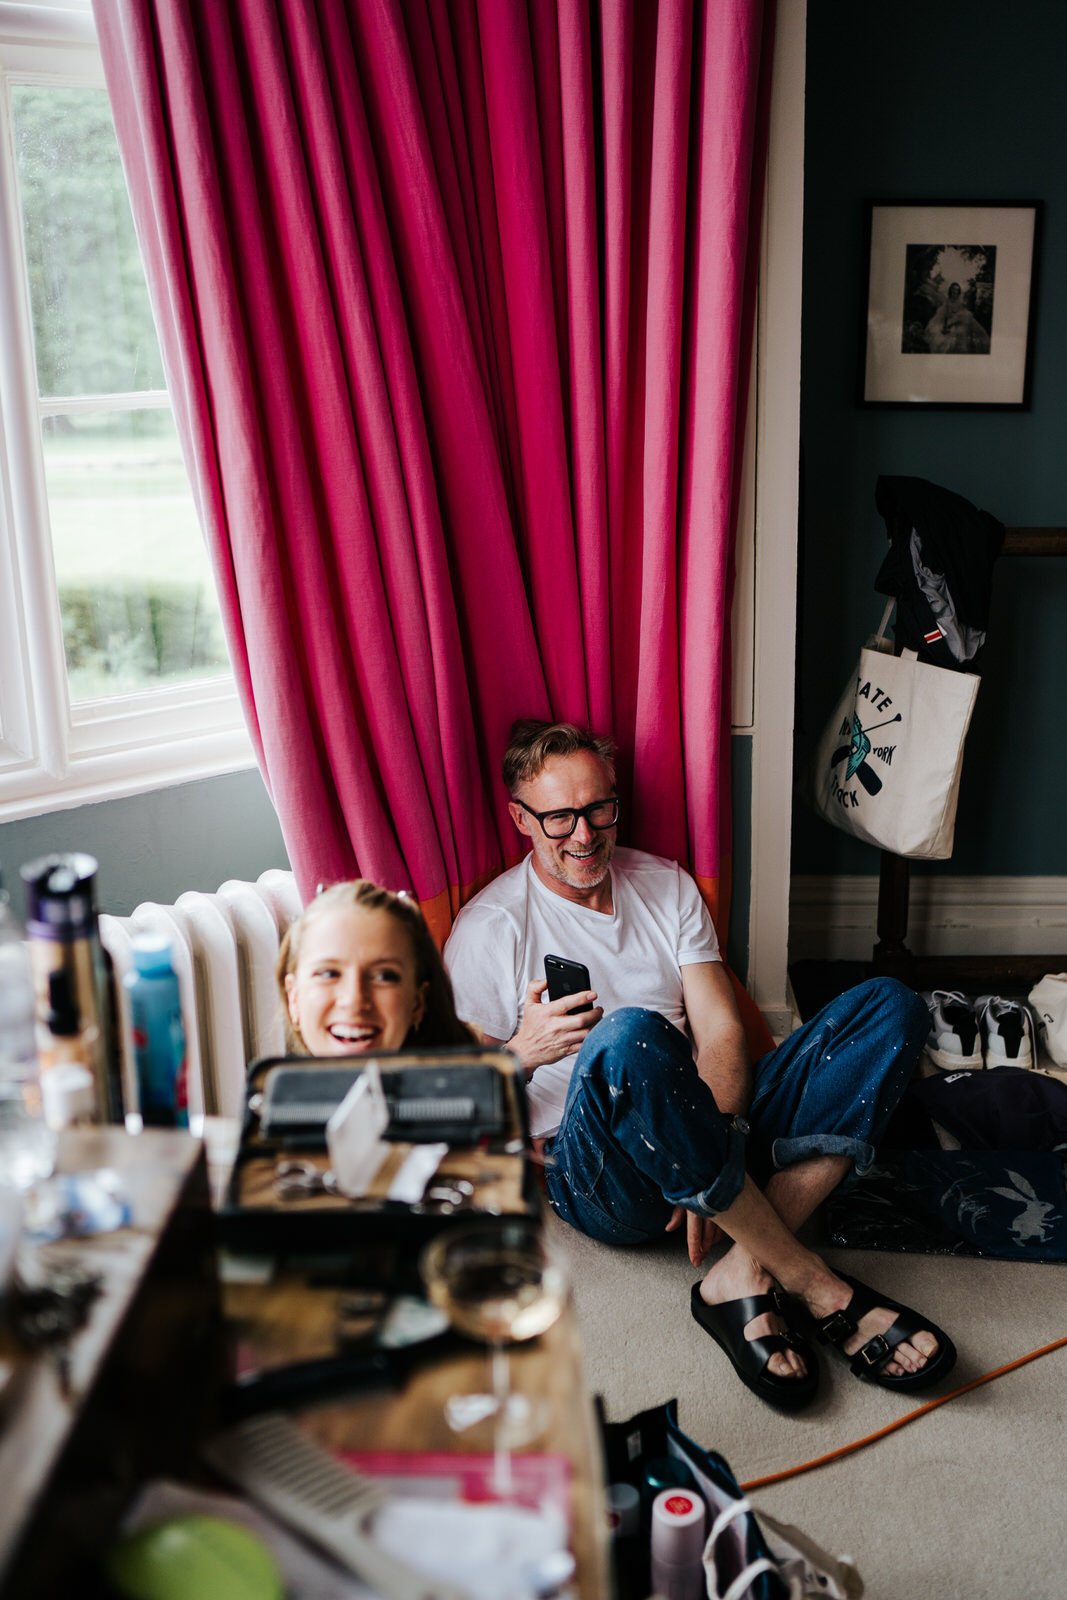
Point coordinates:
[[891, 957]]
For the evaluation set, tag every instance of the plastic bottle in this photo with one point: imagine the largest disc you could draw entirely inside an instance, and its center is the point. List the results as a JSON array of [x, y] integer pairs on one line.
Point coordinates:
[[63, 934], [629, 1551], [27, 1145], [158, 1033], [66, 1058], [677, 1545]]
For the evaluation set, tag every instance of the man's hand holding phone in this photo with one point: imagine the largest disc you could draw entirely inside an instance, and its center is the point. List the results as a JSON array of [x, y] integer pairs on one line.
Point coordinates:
[[553, 1029], [567, 978]]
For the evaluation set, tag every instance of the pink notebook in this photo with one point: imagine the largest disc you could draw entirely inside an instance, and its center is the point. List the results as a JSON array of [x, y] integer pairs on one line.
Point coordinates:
[[541, 1481]]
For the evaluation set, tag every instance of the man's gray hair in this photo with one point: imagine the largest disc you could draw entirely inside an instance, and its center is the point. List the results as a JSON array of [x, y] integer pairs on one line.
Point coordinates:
[[533, 742]]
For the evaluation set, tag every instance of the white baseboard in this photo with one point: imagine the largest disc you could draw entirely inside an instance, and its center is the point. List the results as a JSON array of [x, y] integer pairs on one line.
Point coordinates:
[[834, 918]]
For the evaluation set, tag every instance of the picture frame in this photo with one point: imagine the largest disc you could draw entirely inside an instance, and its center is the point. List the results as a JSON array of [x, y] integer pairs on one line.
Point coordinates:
[[951, 292]]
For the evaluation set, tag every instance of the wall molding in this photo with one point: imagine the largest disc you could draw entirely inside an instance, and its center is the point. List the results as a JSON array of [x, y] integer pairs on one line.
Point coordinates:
[[832, 918], [777, 493]]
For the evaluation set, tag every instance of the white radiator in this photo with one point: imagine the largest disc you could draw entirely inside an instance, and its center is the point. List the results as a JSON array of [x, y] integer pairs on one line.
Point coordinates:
[[223, 948]]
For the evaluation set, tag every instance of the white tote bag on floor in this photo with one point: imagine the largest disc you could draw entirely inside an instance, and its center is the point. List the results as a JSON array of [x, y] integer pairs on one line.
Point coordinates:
[[887, 767]]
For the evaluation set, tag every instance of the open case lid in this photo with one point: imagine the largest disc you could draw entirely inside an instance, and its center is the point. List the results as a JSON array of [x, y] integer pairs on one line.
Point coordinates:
[[471, 1099]]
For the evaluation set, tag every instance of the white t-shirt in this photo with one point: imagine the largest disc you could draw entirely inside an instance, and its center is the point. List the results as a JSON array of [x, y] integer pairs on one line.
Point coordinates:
[[499, 941]]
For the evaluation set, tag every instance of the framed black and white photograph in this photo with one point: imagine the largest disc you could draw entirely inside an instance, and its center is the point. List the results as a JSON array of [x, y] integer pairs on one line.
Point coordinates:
[[950, 296]]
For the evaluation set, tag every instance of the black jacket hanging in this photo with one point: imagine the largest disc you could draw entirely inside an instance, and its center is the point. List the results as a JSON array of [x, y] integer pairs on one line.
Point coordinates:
[[939, 567]]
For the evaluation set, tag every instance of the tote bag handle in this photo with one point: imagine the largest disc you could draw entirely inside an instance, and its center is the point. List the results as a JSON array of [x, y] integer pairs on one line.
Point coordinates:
[[879, 640]]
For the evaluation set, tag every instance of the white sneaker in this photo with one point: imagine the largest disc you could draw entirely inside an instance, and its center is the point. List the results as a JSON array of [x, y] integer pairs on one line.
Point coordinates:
[[953, 1041], [1049, 1000], [1007, 1031]]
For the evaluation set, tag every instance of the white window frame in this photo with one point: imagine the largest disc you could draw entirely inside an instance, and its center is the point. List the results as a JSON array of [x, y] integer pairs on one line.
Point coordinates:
[[54, 755]]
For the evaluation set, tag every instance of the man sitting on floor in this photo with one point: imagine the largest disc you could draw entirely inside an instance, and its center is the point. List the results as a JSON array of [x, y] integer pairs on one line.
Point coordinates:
[[645, 1107]]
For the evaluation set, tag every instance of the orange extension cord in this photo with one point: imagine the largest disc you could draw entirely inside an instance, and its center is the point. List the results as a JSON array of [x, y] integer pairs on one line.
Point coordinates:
[[931, 1405]]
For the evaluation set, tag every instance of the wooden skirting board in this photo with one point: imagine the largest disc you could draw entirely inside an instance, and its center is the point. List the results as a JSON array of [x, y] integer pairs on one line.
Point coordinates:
[[1015, 919]]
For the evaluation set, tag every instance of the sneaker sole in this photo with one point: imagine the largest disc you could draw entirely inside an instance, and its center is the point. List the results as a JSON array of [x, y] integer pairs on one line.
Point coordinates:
[[993, 1060], [948, 1061]]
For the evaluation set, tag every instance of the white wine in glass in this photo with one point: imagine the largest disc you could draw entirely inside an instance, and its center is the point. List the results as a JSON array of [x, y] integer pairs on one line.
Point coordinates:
[[497, 1282]]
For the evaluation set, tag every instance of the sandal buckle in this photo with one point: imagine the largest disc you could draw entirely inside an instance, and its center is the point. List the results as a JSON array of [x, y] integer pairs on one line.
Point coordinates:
[[837, 1327], [875, 1351]]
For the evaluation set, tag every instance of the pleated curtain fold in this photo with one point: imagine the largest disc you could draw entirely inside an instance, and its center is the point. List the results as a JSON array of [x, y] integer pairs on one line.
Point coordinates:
[[456, 302]]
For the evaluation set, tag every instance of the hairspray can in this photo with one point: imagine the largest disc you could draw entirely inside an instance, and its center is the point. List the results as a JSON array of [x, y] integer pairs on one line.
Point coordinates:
[[677, 1545], [63, 936]]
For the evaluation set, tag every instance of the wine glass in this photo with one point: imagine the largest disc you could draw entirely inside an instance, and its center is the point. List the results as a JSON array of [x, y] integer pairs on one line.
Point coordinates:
[[497, 1282]]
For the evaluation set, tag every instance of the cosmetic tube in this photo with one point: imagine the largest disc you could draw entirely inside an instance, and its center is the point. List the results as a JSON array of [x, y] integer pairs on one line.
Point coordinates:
[[677, 1545]]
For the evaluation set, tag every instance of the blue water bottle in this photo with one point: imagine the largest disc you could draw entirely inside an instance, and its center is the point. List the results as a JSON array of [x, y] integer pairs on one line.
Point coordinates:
[[158, 1033]]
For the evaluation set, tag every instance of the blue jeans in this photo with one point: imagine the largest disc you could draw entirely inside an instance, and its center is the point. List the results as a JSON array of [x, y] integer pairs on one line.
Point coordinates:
[[641, 1132]]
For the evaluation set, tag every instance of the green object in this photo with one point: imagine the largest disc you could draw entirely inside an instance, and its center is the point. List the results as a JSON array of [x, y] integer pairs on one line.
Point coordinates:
[[194, 1558]]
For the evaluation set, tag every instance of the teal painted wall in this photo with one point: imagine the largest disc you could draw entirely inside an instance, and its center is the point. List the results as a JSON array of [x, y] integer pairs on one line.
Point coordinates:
[[909, 101], [155, 846]]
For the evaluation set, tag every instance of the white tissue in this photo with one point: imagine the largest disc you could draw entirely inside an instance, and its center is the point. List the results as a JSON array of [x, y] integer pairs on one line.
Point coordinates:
[[353, 1133], [415, 1171], [483, 1548]]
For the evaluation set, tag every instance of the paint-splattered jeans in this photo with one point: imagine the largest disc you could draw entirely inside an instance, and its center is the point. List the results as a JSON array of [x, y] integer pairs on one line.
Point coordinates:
[[641, 1132]]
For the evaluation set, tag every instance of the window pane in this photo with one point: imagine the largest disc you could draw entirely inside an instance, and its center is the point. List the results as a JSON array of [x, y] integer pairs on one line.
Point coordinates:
[[92, 324], [136, 592]]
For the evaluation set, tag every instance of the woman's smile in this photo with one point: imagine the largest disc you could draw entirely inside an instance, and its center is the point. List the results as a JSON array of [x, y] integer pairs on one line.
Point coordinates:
[[354, 987]]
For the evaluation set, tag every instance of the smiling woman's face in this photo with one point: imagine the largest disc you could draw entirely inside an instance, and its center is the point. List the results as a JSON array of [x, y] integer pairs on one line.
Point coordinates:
[[354, 987]]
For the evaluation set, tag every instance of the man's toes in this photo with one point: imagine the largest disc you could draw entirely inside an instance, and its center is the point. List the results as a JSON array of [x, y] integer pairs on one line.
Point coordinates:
[[786, 1364], [783, 1363], [911, 1356]]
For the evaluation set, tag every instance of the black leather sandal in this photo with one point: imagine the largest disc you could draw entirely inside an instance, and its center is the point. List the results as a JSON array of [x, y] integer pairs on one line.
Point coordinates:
[[749, 1357], [869, 1361]]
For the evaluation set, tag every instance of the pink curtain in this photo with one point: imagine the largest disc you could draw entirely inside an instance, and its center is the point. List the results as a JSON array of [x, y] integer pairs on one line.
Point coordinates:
[[455, 298]]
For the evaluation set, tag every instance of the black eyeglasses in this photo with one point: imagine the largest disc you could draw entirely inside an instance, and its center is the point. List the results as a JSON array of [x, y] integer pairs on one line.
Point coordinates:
[[601, 814]]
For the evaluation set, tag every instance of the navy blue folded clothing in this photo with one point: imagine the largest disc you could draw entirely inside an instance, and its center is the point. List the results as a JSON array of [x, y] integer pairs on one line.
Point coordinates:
[[1007, 1204], [1008, 1109]]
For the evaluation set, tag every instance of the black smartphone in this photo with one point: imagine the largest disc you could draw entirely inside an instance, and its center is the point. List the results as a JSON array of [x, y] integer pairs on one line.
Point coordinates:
[[566, 977]]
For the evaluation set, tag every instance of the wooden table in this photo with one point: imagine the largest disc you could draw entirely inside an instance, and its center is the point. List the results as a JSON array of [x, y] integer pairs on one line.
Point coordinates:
[[74, 1449], [146, 1371], [286, 1320]]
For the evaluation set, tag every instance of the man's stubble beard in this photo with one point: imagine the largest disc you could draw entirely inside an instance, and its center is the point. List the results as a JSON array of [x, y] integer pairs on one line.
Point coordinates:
[[557, 869]]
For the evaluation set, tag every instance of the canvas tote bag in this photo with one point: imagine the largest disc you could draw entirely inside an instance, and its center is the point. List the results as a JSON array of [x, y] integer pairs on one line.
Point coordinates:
[[887, 767], [748, 1555]]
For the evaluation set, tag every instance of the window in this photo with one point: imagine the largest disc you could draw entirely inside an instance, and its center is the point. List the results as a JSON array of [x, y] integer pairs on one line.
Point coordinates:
[[114, 676]]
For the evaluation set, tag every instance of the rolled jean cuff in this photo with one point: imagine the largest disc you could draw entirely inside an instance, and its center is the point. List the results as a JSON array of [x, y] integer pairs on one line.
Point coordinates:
[[787, 1152], [728, 1183]]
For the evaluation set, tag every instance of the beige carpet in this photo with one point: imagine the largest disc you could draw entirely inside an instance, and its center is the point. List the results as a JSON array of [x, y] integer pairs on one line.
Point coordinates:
[[965, 1503]]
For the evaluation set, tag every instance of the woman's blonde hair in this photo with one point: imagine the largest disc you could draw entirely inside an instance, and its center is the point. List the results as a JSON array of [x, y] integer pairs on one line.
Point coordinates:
[[439, 1025]]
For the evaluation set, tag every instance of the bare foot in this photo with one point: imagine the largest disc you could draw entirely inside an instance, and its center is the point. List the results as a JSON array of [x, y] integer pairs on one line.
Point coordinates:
[[736, 1276], [908, 1356]]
